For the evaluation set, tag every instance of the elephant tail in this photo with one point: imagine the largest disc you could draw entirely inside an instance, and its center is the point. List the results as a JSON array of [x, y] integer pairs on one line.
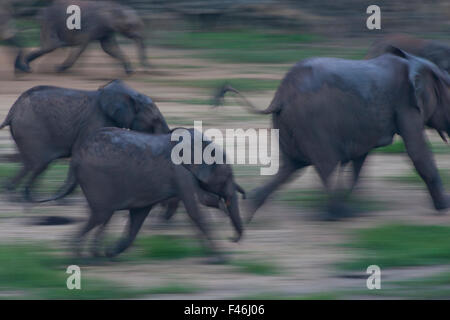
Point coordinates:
[[275, 105], [69, 186], [8, 118]]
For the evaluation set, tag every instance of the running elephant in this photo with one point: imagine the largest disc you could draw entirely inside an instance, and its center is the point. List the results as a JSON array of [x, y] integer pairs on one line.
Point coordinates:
[[330, 111], [126, 170], [100, 21], [47, 123]]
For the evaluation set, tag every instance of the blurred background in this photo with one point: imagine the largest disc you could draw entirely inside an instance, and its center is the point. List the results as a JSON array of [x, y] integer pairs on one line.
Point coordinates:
[[287, 251]]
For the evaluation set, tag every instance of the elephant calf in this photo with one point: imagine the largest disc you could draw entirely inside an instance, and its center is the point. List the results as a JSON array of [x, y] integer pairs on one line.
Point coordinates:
[[125, 170], [100, 21], [48, 122]]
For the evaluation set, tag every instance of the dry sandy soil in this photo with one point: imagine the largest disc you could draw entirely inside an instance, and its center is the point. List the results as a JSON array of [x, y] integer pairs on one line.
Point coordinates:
[[304, 249]]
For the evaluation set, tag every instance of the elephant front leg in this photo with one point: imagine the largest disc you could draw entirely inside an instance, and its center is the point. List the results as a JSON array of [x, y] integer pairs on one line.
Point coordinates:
[[73, 57], [411, 130], [111, 47]]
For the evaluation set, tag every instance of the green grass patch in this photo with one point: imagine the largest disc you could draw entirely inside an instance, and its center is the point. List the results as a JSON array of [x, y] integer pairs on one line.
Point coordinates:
[[399, 147], [239, 39], [37, 272], [318, 199], [413, 178], [256, 267], [165, 247], [249, 46], [399, 246]]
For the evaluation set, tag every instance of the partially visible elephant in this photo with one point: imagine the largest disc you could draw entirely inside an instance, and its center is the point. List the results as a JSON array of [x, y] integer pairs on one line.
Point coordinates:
[[100, 20], [47, 123], [8, 32], [330, 111], [435, 51], [126, 170]]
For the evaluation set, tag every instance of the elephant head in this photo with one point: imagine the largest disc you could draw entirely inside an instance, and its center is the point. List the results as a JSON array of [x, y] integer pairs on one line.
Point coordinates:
[[217, 178], [131, 109], [430, 91], [127, 22]]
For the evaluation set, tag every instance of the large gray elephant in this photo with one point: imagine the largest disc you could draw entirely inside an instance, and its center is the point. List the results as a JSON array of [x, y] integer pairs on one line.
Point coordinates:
[[47, 123], [100, 20], [330, 111], [435, 51], [126, 170]]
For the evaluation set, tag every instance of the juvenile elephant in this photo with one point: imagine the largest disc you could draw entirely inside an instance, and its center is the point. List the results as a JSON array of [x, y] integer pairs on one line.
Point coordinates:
[[47, 123], [126, 170], [435, 51], [100, 20], [330, 111]]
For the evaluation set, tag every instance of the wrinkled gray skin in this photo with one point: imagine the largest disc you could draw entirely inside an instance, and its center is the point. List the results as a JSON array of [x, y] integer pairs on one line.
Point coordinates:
[[330, 111], [435, 51], [47, 123], [100, 21], [126, 170]]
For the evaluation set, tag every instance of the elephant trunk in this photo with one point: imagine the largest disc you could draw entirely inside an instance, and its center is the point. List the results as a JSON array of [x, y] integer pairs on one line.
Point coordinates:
[[142, 51], [233, 209]]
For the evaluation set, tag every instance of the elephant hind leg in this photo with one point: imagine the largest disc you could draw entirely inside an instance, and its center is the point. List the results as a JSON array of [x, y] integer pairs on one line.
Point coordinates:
[[35, 173], [96, 218], [137, 218], [13, 182], [335, 207]]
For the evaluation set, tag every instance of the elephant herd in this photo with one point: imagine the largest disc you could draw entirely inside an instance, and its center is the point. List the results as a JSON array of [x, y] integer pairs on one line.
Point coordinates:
[[329, 112]]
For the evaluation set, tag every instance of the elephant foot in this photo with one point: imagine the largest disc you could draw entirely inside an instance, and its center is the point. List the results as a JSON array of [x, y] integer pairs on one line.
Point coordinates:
[[62, 68], [20, 66], [217, 259], [338, 210], [443, 203]]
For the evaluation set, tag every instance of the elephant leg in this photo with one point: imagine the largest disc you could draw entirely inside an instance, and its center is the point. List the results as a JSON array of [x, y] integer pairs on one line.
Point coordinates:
[[411, 130], [98, 238], [185, 185], [72, 58], [357, 166], [35, 172], [14, 181], [111, 47], [335, 207], [137, 218], [96, 218], [260, 195], [142, 52], [40, 52], [172, 206]]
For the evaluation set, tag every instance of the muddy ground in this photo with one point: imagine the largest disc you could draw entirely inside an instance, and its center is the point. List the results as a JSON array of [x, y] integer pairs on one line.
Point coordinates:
[[304, 249]]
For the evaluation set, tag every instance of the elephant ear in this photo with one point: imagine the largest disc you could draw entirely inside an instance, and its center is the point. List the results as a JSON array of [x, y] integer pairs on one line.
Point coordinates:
[[424, 78], [118, 103]]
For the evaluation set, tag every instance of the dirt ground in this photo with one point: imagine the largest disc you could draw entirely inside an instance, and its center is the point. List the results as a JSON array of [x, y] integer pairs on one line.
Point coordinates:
[[303, 248]]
